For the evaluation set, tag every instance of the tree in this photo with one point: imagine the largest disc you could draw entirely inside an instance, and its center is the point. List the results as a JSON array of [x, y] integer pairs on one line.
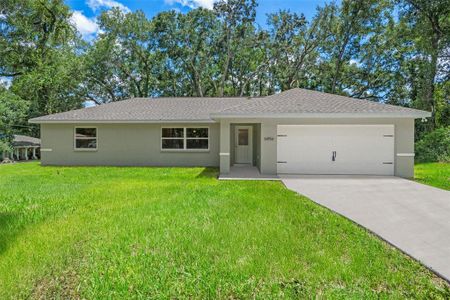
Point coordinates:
[[294, 47], [13, 113], [38, 51], [124, 61], [188, 43], [351, 23], [235, 16], [429, 26]]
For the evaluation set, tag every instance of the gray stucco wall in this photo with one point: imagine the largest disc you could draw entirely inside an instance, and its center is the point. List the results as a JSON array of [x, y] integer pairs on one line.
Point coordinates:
[[140, 144], [124, 145], [404, 139]]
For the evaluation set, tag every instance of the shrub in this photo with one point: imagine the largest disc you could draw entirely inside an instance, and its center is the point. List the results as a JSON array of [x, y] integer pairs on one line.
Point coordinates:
[[434, 146]]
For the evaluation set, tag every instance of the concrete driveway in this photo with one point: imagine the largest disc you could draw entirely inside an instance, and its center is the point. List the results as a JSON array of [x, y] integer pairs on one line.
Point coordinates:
[[411, 216]]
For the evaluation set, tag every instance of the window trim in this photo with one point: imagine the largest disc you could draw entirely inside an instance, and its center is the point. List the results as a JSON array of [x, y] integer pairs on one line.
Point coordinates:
[[184, 138], [89, 138]]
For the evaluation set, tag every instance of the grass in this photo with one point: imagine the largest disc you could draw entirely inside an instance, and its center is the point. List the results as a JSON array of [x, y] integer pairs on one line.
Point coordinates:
[[92, 232], [435, 174]]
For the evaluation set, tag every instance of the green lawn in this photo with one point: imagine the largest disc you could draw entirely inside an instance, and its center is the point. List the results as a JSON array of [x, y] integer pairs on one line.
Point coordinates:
[[180, 233], [435, 174]]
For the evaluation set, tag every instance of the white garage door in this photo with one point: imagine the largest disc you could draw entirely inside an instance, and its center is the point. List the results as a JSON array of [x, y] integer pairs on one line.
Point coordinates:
[[335, 149]]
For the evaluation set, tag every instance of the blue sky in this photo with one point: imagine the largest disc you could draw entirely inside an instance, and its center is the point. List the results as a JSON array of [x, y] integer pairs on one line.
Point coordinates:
[[85, 11]]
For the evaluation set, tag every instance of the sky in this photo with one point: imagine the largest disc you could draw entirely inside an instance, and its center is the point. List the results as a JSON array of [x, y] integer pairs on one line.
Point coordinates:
[[86, 11]]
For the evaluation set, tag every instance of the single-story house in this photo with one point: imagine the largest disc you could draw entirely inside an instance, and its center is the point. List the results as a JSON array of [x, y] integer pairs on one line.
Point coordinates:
[[294, 132]]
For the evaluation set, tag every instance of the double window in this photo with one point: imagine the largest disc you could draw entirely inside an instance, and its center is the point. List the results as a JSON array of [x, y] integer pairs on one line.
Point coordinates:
[[185, 138], [85, 138]]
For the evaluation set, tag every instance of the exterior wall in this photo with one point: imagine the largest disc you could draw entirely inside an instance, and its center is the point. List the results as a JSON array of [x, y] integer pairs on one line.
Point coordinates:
[[225, 161], [404, 140], [124, 145], [140, 144], [258, 145]]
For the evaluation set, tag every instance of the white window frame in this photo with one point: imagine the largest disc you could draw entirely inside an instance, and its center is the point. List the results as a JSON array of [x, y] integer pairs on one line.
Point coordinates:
[[85, 138], [184, 138]]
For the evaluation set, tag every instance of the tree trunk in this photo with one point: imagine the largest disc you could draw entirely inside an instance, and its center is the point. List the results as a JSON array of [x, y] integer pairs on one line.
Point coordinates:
[[429, 95]]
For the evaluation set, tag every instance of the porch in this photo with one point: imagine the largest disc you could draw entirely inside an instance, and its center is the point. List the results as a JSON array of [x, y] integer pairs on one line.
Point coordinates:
[[23, 148], [241, 151], [246, 172]]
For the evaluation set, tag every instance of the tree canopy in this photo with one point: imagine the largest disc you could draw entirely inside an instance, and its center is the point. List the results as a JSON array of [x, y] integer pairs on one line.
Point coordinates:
[[392, 51]]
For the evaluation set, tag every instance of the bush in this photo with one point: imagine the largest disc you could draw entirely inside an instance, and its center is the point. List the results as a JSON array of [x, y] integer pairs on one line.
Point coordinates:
[[434, 146]]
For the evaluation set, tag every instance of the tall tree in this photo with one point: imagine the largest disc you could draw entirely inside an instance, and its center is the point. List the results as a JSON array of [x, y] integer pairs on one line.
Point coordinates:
[[38, 51], [13, 115], [188, 40], [294, 48], [236, 16], [429, 24], [351, 24], [124, 60]]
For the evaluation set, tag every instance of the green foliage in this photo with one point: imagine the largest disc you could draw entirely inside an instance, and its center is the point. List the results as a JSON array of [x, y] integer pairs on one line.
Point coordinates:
[[387, 51], [435, 174], [13, 111], [5, 146], [38, 50], [434, 146], [164, 233]]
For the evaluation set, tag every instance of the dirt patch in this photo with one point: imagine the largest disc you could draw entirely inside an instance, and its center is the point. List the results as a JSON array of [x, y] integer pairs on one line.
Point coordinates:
[[65, 285]]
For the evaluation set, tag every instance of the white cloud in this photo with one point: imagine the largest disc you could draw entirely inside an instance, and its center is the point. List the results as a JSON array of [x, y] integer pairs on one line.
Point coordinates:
[[85, 25], [98, 4], [193, 3]]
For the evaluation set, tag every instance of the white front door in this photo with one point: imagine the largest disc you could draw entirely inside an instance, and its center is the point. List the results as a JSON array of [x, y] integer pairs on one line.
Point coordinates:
[[336, 149], [243, 144]]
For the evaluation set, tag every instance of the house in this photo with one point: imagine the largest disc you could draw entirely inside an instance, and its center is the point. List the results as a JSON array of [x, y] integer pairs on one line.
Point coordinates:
[[295, 132], [23, 148]]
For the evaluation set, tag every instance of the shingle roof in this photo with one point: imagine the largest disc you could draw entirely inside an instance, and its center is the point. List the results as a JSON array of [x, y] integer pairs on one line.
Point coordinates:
[[24, 140], [148, 109], [292, 102], [301, 101]]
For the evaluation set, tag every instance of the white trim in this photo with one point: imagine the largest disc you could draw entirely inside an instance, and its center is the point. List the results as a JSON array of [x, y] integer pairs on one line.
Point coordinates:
[[185, 139], [14, 147], [406, 154], [224, 154], [46, 150], [32, 121], [417, 115], [85, 138]]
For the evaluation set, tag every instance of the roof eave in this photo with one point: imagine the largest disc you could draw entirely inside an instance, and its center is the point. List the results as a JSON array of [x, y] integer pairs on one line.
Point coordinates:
[[42, 121], [408, 115]]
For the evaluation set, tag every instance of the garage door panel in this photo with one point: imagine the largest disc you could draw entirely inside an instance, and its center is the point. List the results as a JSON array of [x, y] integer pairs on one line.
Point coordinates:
[[360, 149]]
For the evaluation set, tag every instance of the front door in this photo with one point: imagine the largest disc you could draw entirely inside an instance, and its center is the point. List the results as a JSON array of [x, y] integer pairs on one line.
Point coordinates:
[[243, 144]]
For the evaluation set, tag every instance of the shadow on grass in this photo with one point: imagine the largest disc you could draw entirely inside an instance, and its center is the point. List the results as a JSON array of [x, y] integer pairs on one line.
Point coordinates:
[[7, 233], [208, 173]]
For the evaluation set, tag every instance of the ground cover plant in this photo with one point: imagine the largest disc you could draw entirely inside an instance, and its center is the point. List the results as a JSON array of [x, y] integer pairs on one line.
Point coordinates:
[[435, 174], [104, 232]]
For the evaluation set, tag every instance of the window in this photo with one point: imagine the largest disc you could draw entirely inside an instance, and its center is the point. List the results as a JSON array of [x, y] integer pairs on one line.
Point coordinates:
[[185, 138], [243, 137], [85, 138]]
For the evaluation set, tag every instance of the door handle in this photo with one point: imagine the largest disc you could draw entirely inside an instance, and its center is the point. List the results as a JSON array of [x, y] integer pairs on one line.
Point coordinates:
[[333, 156]]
